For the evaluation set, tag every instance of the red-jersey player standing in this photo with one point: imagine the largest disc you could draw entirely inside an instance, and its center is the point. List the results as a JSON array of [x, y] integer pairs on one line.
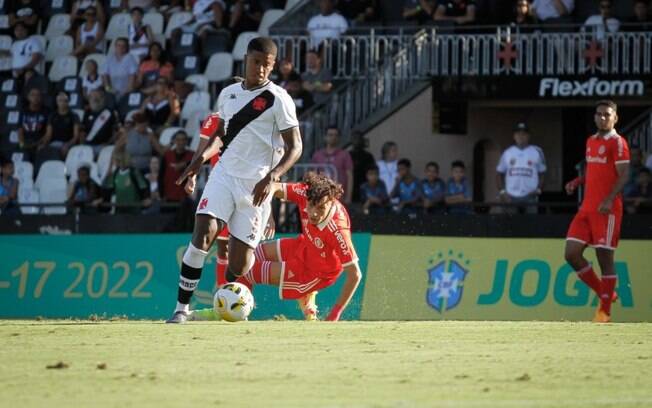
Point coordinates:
[[315, 259], [597, 224]]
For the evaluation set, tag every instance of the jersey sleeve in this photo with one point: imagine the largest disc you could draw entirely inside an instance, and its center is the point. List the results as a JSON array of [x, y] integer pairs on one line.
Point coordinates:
[[541, 164], [502, 163], [620, 151], [296, 192], [285, 112]]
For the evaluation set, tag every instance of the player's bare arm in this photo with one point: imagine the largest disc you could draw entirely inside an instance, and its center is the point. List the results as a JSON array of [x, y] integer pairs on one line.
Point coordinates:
[[209, 146], [293, 150], [623, 176], [353, 278]]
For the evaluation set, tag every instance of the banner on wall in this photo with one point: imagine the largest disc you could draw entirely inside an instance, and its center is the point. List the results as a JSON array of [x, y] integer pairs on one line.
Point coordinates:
[[428, 278], [124, 275]]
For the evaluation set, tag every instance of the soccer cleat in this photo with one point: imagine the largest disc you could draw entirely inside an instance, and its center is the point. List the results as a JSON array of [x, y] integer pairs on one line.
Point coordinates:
[[601, 317], [203, 315], [178, 317], [308, 305]]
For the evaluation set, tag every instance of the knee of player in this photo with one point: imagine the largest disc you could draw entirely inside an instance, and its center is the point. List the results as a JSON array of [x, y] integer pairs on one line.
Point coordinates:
[[571, 255]]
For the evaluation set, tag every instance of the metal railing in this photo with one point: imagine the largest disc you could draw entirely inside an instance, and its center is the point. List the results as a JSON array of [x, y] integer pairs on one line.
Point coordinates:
[[639, 131]]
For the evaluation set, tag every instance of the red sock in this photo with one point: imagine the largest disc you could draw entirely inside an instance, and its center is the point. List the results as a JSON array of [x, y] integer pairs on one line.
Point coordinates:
[[588, 276], [220, 271], [608, 286], [259, 274]]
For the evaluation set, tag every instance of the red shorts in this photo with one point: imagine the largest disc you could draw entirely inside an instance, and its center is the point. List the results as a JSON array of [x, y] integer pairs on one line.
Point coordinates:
[[595, 229], [297, 280], [224, 234]]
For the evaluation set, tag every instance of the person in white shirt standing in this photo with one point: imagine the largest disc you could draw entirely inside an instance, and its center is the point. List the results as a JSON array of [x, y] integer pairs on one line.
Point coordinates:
[[521, 172], [259, 134], [328, 25], [553, 11], [603, 22]]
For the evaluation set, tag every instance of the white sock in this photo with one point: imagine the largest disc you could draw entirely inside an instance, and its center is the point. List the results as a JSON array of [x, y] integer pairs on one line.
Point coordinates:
[[182, 307]]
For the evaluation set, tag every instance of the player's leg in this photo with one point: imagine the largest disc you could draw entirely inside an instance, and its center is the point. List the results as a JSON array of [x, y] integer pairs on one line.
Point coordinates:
[[577, 239], [222, 243], [607, 296]]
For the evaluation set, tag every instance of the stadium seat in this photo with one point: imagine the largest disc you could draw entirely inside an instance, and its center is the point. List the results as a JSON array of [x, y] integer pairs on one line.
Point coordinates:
[[240, 47], [62, 67], [199, 81], [118, 26], [58, 46], [24, 172], [54, 192], [185, 44], [269, 18], [112, 6], [51, 7], [51, 170], [28, 196], [195, 101], [4, 22], [10, 101], [79, 113], [214, 42], [70, 84], [194, 121], [128, 103], [104, 161], [176, 21], [100, 59], [78, 155], [58, 25], [186, 66], [289, 4], [155, 21], [166, 136], [5, 43], [220, 67], [9, 85]]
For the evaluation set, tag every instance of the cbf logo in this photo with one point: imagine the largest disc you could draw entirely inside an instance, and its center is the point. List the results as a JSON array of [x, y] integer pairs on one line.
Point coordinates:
[[446, 280]]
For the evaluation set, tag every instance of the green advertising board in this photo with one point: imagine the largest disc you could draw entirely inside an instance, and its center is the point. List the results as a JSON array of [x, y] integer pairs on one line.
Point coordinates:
[[131, 275], [428, 278]]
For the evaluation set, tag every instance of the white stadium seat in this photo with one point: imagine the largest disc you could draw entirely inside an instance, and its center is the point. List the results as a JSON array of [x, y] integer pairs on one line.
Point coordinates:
[[61, 45], [199, 81], [195, 101], [24, 172], [289, 4], [100, 59], [53, 193], [270, 17], [104, 161], [58, 25], [194, 121], [176, 21], [50, 171], [220, 67], [5, 43], [118, 26], [166, 136], [240, 47], [62, 67], [28, 196], [77, 156], [155, 21]]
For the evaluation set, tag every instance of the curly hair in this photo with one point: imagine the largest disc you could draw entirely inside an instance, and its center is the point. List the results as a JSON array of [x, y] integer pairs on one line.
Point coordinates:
[[320, 186]]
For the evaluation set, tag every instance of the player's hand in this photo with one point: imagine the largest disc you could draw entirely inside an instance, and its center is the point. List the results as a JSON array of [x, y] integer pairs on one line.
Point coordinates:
[[570, 188], [263, 189], [270, 229], [189, 188], [605, 206], [191, 170]]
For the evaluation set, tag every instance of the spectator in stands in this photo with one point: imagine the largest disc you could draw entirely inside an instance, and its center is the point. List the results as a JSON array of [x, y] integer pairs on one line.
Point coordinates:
[[85, 193], [388, 165], [91, 81], [317, 79], [520, 173], [161, 109], [207, 15], [603, 22], [26, 52], [244, 15], [33, 122], [152, 178], [63, 127], [635, 167], [78, 13], [407, 190], [90, 35], [419, 11], [140, 35], [340, 159], [154, 66], [373, 194], [433, 189], [127, 183], [282, 75], [553, 11], [25, 12], [120, 68], [328, 25], [523, 14], [303, 99], [139, 142], [98, 122], [458, 194], [641, 20], [362, 161], [459, 12], [639, 198], [174, 162], [8, 190], [358, 12]]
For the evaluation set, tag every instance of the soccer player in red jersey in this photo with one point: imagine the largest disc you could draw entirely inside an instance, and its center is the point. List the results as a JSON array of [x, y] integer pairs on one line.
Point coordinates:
[[597, 224], [315, 259]]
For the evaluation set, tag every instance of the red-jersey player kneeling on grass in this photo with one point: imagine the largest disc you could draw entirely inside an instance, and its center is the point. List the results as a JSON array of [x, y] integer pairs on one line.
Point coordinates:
[[597, 224], [313, 260]]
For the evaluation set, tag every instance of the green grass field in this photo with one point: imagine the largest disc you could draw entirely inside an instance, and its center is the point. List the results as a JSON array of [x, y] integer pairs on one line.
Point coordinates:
[[348, 364]]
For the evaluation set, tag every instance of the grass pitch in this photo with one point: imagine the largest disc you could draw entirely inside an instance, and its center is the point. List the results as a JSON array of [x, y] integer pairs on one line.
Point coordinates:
[[347, 364]]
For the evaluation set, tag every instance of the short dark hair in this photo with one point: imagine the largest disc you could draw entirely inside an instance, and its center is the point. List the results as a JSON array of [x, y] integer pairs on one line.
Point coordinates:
[[646, 171], [458, 163], [320, 186], [373, 168], [608, 103], [138, 9], [263, 44], [405, 162], [333, 127], [433, 164]]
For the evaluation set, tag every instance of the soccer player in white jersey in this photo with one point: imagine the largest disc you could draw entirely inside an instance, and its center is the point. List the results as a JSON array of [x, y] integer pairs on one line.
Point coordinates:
[[260, 142], [520, 172]]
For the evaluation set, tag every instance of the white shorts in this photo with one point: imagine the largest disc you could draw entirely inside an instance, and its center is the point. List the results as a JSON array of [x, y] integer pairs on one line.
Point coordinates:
[[230, 199]]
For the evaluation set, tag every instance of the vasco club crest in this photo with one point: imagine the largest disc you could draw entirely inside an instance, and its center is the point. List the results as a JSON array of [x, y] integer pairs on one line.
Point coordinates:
[[446, 280]]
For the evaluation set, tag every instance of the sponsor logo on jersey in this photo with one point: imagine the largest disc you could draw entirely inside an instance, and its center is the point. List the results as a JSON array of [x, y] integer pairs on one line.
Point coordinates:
[[601, 150], [318, 243], [203, 203], [340, 240], [596, 159]]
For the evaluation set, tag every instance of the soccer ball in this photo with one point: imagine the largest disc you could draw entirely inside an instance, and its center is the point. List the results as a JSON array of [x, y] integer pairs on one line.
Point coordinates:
[[233, 302]]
